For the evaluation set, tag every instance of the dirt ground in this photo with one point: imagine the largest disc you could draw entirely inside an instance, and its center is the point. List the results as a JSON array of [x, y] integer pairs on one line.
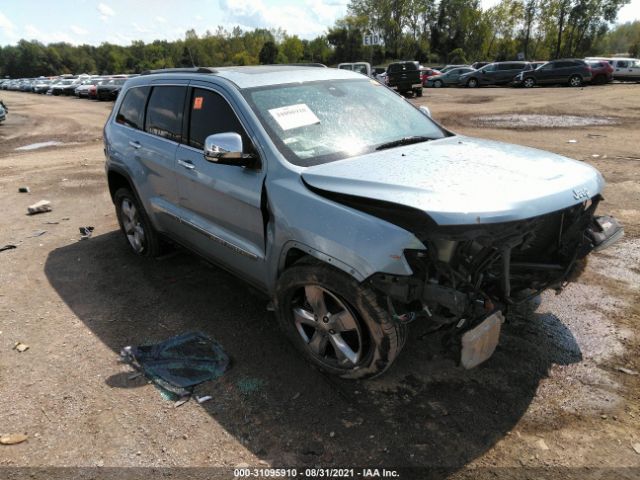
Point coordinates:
[[559, 399]]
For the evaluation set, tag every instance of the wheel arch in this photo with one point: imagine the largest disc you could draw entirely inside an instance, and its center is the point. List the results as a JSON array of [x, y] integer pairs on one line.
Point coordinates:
[[295, 252], [117, 179]]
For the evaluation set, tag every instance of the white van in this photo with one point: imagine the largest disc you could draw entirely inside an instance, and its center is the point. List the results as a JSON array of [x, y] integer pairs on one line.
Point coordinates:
[[359, 67], [624, 69]]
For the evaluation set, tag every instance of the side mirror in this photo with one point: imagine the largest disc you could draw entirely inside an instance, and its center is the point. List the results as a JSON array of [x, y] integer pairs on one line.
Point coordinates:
[[425, 111], [226, 149]]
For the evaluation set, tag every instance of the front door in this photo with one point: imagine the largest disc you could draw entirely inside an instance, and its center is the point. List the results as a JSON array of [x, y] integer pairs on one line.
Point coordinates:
[[220, 204]]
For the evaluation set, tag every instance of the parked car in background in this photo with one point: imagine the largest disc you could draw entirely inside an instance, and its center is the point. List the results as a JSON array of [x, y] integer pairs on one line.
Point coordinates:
[[70, 90], [110, 89], [41, 86], [451, 67], [572, 72], [626, 69], [92, 91], [3, 112], [537, 63], [57, 88], [601, 71], [359, 67], [82, 91], [498, 73], [404, 77], [26, 85], [478, 65], [452, 77], [247, 166], [426, 73]]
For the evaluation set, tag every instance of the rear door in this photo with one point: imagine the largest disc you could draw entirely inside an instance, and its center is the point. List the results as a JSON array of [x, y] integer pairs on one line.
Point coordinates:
[[547, 73], [221, 205], [635, 70], [502, 73], [147, 158], [156, 150], [486, 75]]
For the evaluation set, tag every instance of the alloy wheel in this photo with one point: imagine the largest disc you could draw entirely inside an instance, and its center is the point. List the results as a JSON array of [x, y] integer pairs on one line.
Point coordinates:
[[132, 225], [328, 327]]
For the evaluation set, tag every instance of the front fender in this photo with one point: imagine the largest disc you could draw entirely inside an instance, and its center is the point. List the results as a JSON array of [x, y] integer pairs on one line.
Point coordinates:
[[353, 241]]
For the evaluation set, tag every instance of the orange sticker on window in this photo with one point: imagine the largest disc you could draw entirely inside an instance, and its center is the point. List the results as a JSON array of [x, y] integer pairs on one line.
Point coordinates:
[[197, 103]]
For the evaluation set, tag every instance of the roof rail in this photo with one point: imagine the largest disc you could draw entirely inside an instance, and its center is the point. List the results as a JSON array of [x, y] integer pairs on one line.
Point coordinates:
[[180, 70], [321, 65]]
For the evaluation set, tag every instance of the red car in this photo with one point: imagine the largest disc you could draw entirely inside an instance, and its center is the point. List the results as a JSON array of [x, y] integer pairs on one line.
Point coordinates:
[[425, 73], [601, 70]]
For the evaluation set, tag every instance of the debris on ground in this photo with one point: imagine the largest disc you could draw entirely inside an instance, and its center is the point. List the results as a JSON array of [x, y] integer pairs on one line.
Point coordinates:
[[21, 347], [181, 402], [249, 385], [636, 448], [628, 371], [13, 439], [542, 445], [7, 247], [86, 232], [24, 190], [134, 376], [39, 207], [206, 398], [37, 233], [179, 363], [572, 141]]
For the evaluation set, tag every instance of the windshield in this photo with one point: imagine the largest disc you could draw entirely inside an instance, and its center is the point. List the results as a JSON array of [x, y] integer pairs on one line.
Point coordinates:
[[320, 122]]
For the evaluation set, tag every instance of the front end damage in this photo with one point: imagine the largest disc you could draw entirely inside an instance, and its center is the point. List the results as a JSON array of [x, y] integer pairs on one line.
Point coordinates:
[[469, 275]]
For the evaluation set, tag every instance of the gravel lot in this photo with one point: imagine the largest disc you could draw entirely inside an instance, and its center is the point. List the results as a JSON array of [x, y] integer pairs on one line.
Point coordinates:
[[559, 397]]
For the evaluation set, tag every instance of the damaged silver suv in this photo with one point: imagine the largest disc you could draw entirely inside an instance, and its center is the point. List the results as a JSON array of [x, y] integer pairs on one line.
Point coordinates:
[[350, 207]]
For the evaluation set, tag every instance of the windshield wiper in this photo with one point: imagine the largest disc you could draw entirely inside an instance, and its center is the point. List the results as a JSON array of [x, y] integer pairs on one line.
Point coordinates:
[[404, 141]]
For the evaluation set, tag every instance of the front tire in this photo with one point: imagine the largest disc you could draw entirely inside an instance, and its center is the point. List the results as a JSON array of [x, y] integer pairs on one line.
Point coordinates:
[[575, 81], [529, 82], [472, 83], [135, 225], [437, 84], [336, 322]]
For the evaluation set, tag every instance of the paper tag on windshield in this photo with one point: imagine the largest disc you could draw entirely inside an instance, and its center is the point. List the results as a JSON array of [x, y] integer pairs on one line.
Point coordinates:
[[294, 116]]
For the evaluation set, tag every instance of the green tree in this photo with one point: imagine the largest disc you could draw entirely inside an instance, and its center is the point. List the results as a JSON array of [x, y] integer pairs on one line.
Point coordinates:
[[292, 49], [268, 53]]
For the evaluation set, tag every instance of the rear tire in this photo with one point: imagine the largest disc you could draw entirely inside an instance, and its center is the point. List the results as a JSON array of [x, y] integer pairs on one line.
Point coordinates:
[[472, 83], [135, 224], [575, 81], [437, 84], [418, 92], [336, 322]]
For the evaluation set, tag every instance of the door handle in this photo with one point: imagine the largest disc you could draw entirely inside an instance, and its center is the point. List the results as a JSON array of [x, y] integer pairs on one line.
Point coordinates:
[[186, 164], [135, 145]]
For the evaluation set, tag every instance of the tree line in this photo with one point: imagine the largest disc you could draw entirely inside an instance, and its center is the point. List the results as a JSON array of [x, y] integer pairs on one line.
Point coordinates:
[[452, 31]]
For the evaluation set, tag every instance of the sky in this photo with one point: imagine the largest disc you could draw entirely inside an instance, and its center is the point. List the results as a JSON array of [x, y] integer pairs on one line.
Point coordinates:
[[122, 21]]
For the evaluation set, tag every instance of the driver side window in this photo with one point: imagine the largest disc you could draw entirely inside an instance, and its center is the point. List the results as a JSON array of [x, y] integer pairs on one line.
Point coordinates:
[[210, 114]]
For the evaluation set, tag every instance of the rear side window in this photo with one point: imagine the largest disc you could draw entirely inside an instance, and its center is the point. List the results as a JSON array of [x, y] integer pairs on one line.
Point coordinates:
[[210, 114], [131, 111], [164, 112], [622, 64]]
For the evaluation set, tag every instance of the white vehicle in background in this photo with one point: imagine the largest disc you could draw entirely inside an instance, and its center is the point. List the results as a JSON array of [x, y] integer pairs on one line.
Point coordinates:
[[359, 67], [624, 69]]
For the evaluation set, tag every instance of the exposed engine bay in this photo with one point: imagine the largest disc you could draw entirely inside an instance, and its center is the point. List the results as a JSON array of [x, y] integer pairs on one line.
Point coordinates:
[[467, 273]]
